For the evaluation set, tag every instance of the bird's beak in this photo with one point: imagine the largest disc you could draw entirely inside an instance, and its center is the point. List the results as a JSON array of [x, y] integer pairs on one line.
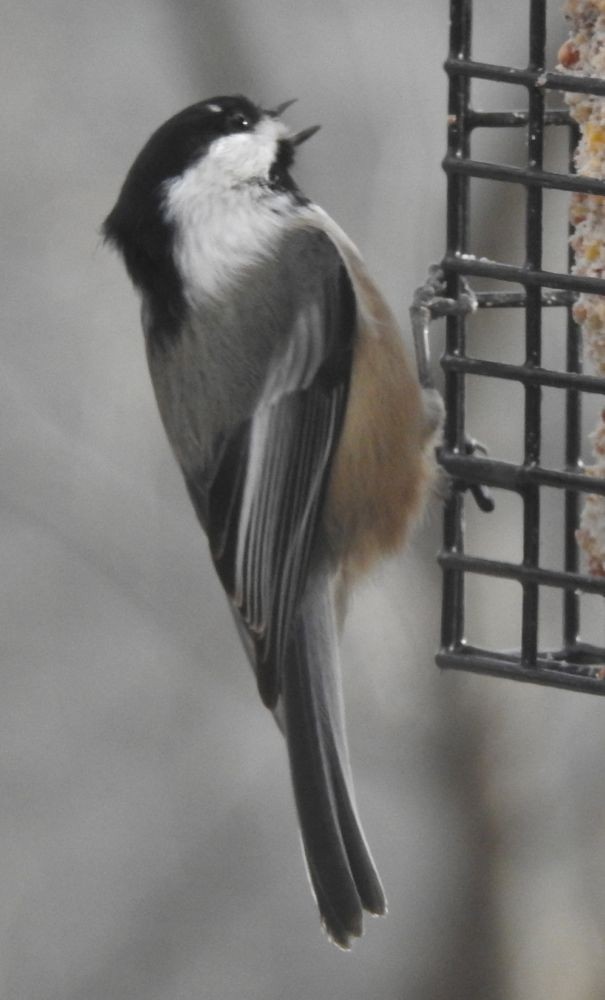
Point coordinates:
[[304, 135], [300, 137], [279, 110]]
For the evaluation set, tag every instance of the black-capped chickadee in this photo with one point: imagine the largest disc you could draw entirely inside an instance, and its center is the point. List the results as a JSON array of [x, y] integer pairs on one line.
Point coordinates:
[[303, 435]]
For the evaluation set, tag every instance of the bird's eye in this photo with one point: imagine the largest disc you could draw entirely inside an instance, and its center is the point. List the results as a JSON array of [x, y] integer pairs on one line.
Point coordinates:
[[239, 122]]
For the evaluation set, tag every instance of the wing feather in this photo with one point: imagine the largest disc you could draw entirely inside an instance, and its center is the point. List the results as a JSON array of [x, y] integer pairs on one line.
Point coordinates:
[[263, 507]]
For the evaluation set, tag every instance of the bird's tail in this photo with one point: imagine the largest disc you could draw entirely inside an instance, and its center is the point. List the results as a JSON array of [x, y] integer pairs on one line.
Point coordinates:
[[341, 870]]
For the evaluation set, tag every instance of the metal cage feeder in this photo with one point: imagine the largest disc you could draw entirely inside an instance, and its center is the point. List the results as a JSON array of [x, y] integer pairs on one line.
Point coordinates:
[[574, 664]]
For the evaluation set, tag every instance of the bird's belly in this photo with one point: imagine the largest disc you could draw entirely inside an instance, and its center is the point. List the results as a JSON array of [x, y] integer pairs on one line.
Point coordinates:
[[383, 462]]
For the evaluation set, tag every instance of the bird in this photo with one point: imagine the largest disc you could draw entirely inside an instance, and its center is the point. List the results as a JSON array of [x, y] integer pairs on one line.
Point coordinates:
[[295, 414]]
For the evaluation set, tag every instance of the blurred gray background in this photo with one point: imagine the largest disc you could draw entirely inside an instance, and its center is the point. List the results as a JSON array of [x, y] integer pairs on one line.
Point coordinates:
[[148, 847]]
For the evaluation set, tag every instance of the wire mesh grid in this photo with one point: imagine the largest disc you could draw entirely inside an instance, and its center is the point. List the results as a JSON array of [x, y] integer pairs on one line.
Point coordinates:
[[574, 663]]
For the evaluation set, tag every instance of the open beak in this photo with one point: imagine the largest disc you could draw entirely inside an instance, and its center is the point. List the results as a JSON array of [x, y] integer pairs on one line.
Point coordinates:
[[300, 137]]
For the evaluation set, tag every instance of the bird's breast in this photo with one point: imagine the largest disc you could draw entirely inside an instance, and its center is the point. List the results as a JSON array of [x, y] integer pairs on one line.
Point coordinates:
[[222, 233]]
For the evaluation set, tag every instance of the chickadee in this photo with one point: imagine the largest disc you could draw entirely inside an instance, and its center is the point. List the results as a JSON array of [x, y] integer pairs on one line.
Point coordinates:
[[301, 430]]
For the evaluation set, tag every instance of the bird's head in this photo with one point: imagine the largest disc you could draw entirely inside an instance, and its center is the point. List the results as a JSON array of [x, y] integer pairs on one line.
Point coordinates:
[[222, 143]]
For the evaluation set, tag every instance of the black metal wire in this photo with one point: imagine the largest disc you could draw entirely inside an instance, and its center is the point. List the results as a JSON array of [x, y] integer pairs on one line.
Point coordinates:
[[576, 665]]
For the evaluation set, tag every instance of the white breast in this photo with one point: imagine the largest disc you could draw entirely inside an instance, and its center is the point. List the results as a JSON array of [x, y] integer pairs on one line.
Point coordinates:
[[225, 216]]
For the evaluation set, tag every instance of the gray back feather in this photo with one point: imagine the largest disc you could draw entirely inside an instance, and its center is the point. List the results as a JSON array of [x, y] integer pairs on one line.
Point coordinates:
[[209, 379]]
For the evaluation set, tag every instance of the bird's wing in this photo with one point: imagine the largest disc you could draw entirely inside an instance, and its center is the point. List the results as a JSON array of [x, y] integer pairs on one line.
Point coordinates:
[[262, 508]]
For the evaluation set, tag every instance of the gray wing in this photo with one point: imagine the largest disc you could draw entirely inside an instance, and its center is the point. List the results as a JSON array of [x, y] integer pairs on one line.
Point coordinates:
[[262, 507]]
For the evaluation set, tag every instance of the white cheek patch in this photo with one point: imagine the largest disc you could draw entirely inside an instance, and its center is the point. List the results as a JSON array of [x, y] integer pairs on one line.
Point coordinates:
[[224, 222], [243, 156]]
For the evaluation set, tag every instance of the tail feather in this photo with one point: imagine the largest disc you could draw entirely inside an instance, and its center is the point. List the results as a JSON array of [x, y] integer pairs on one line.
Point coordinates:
[[341, 870]]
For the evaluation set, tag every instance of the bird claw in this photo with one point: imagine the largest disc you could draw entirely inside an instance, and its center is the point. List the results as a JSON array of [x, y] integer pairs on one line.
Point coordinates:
[[481, 494], [471, 445]]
